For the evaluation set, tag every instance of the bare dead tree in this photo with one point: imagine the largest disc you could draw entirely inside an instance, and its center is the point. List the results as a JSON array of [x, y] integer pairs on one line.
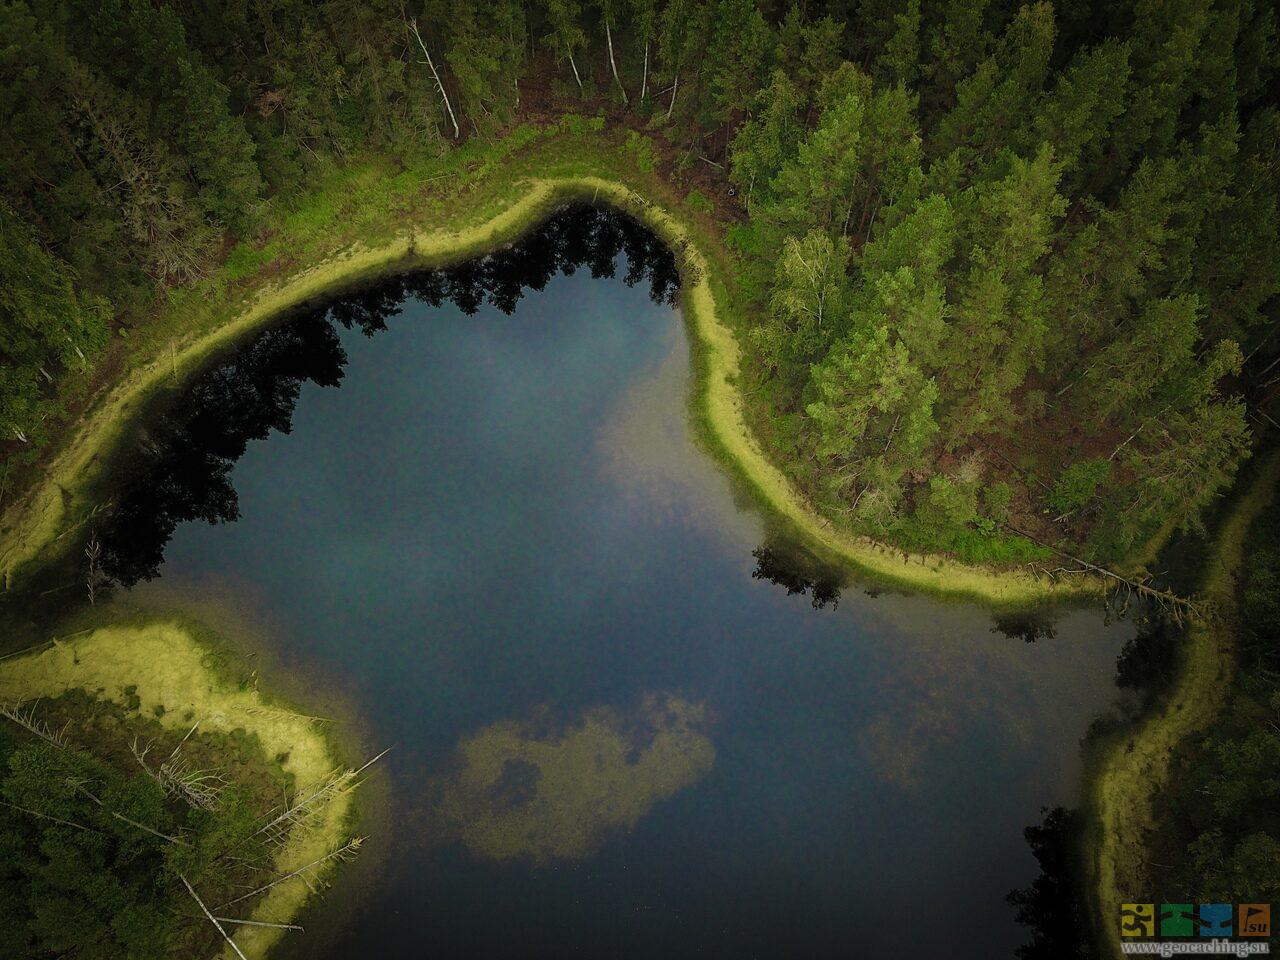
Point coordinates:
[[644, 81], [79, 786], [212, 919], [1123, 588], [306, 810], [178, 778], [260, 923], [44, 816], [94, 578], [27, 719], [343, 854], [608, 39], [413, 26]]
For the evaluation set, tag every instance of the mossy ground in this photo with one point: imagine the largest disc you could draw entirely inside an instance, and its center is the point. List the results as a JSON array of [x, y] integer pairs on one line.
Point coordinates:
[[369, 221], [1135, 766], [164, 671]]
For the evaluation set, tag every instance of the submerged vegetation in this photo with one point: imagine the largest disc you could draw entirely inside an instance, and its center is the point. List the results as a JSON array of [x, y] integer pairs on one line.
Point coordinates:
[[530, 790]]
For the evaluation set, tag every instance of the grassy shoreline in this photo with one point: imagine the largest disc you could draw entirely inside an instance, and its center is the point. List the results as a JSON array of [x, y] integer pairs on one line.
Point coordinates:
[[552, 166], [173, 675], [1135, 767]]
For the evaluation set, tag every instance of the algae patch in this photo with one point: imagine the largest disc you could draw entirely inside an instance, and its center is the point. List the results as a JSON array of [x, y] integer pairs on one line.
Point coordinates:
[[532, 789]]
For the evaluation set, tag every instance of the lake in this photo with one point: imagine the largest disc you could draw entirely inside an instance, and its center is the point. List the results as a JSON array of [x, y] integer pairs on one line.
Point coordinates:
[[627, 720]]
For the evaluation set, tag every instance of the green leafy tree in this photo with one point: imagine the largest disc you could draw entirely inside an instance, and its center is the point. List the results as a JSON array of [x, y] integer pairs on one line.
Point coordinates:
[[874, 417], [1004, 88], [808, 305]]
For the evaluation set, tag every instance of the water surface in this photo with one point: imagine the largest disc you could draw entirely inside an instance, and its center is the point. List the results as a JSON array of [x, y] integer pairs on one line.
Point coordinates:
[[626, 722]]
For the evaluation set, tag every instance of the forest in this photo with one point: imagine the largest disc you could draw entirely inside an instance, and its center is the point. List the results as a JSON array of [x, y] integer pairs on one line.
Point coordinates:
[[1012, 269], [1009, 279]]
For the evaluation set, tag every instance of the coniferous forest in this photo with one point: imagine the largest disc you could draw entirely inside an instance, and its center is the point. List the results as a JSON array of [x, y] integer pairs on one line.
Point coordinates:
[[1005, 277], [1012, 268]]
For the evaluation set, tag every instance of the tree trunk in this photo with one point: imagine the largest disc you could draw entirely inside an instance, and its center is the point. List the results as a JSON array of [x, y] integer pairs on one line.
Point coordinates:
[[608, 39], [575, 70], [413, 25], [675, 88], [212, 919], [644, 83]]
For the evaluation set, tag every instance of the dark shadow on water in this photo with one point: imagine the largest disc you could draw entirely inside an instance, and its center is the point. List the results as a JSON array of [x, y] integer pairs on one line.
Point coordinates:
[[1052, 908], [797, 572], [181, 468], [1027, 626]]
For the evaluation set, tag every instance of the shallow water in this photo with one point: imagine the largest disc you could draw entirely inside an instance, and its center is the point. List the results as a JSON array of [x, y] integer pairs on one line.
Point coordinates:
[[612, 737]]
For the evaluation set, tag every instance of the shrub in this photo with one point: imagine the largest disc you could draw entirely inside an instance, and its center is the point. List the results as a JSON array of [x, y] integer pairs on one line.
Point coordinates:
[[1078, 484]]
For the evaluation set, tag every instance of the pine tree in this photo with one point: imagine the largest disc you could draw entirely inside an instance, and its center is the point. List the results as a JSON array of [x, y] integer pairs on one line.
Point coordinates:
[[768, 137], [900, 62], [1004, 87], [45, 323], [997, 334], [874, 416]]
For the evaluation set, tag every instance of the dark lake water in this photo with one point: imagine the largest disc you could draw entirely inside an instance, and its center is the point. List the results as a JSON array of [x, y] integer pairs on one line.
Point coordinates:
[[626, 723]]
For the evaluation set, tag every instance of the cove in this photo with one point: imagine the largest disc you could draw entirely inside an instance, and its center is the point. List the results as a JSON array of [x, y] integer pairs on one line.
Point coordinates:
[[628, 719]]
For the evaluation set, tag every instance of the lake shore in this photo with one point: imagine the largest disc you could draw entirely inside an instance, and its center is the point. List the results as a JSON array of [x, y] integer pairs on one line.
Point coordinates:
[[492, 211], [160, 669], [1135, 767]]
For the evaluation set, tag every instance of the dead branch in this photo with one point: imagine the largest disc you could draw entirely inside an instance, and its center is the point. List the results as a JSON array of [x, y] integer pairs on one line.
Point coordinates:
[[260, 923], [45, 816], [344, 854], [212, 918], [1128, 587]]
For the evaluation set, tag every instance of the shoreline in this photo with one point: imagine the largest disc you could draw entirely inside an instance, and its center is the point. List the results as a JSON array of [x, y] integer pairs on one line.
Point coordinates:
[[167, 666], [35, 523], [1132, 769]]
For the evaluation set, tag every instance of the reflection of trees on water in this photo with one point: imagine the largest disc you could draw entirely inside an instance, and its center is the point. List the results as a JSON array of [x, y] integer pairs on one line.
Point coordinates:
[[1148, 662], [193, 449], [182, 467], [798, 573], [579, 236], [1052, 907], [1026, 626]]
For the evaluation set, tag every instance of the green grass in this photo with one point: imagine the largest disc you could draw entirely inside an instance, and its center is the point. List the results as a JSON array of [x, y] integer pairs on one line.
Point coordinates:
[[1134, 766], [371, 219], [166, 669]]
